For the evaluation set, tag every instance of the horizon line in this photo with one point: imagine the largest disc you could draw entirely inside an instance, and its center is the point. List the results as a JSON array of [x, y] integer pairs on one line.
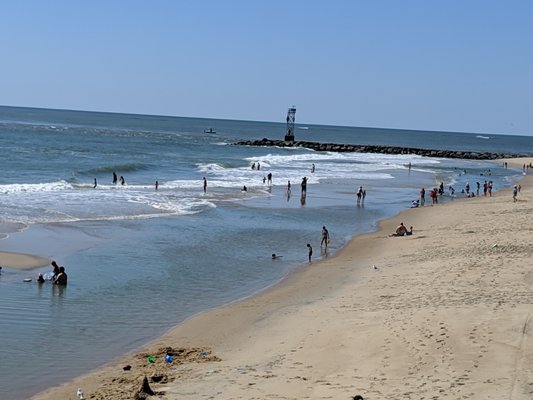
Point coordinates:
[[264, 121]]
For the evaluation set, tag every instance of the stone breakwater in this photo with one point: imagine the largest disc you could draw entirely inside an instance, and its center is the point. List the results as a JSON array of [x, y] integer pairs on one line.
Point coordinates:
[[335, 147]]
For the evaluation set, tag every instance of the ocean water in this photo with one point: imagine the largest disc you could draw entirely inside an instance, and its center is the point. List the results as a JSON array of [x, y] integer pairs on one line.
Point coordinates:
[[140, 261]]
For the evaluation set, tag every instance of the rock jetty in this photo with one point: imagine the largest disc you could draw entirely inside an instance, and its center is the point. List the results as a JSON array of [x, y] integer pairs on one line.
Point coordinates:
[[335, 147]]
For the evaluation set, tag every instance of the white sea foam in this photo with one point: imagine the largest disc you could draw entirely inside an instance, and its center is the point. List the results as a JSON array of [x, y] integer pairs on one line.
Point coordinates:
[[293, 166], [61, 201], [35, 187], [389, 160]]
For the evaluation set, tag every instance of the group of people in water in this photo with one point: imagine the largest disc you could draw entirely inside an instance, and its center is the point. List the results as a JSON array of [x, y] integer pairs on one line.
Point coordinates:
[[59, 276], [323, 243], [121, 179], [435, 192], [117, 179], [267, 179]]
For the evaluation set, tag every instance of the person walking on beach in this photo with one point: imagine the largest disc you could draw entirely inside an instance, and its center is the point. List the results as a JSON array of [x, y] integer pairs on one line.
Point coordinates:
[[205, 184], [515, 193], [309, 251], [434, 196], [325, 237]]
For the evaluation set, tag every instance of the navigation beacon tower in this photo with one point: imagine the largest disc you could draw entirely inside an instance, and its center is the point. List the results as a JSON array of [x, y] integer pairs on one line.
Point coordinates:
[[289, 134]]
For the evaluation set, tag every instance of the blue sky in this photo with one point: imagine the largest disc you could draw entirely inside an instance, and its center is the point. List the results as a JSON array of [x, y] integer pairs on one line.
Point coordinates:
[[450, 65]]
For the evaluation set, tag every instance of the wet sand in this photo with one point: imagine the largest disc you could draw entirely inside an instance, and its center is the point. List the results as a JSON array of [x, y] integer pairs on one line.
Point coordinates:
[[443, 314]]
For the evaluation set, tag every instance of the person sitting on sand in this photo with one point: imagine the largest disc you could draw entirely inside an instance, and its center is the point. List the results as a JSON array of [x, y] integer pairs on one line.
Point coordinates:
[[410, 231], [61, 278], [401, 230]]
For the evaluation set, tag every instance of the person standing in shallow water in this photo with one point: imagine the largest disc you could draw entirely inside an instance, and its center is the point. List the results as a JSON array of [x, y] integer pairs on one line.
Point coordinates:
[[359, 194], [114, 178], [55, 271], [205, 185], [325, 237], [309, 251], [304, 185], [61, 278]]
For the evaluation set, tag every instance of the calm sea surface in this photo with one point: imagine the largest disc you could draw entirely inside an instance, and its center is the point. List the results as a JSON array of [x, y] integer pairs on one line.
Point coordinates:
[[140, 261]]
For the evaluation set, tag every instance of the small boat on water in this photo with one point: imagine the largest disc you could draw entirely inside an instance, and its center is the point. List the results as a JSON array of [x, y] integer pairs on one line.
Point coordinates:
[[210, 130]]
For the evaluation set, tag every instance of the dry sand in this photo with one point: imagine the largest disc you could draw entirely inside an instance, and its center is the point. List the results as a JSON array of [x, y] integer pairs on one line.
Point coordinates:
[[21, 261], [446, 314]]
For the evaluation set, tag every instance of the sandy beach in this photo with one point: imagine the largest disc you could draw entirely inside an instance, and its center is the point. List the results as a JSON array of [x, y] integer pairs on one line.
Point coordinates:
[[443, 314], [21, 261]]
